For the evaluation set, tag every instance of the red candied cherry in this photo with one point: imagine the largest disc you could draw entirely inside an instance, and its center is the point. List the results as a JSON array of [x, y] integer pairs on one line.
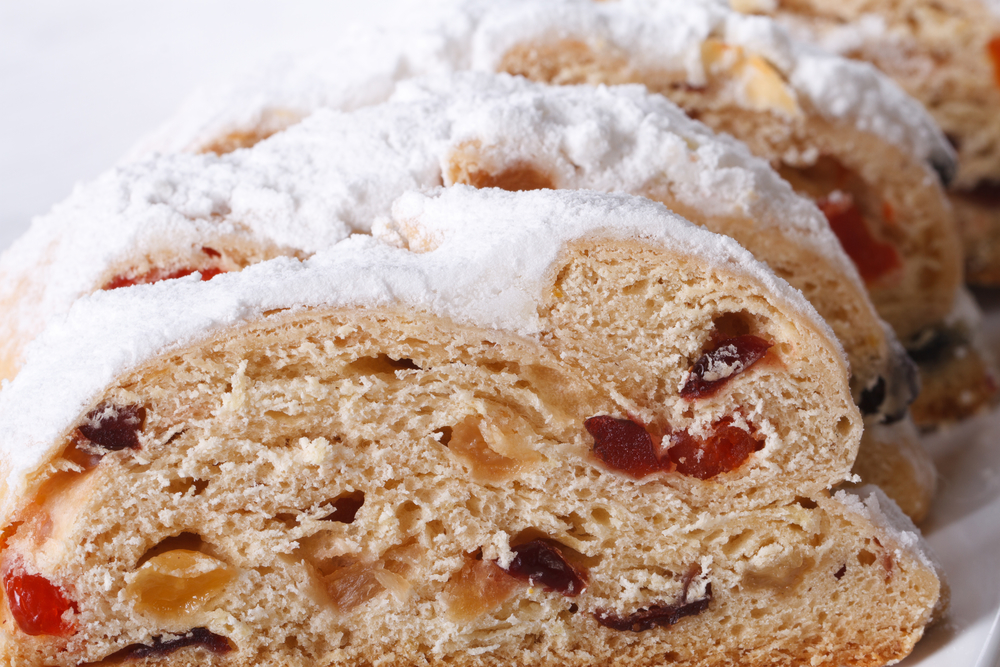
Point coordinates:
[[874, 258], [37, 605], [724, 450], [993, 49], [156, 275]]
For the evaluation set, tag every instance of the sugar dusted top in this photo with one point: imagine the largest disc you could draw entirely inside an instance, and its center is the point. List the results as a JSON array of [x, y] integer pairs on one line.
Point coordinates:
[[309, 187], [462, 34], [669, 34]]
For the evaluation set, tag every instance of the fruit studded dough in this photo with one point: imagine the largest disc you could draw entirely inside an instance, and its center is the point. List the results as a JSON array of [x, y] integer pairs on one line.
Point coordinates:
[[311, 185], [840, 131], [549, 428]]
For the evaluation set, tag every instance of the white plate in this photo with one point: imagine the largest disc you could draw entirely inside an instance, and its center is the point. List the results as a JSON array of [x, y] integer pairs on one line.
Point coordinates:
[[964, 530], [80, 82]]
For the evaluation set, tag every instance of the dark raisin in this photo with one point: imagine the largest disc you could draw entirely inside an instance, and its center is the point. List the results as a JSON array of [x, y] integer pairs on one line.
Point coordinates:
[[542, 563], [725, 361], [872, 398], [839, 574], [623, 445], [196, 637], [656, 616], [933, 345], [985, 193], [944, 165], [114, 427]]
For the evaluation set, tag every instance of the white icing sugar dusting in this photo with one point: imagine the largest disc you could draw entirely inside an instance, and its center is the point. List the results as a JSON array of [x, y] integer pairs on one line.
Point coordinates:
[[841, 38], [307, 188], [668, 34], [899, 532], [652, 34], [724, 365], [479, 273]]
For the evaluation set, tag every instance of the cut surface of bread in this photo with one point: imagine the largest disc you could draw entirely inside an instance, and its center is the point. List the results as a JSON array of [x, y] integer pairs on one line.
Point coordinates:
[[947, 55], [310, 186], [614, 447]]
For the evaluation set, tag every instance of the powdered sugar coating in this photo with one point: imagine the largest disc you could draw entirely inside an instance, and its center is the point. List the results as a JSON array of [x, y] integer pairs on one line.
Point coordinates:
[[479, 274], [668, 34], [898, 531], [655, 34], [309, 187]]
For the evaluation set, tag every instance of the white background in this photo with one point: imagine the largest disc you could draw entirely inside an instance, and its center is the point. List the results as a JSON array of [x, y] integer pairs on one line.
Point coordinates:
[[80, 82]]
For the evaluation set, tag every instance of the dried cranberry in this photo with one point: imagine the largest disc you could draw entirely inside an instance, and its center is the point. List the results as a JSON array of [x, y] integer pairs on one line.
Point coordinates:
[[156, 275], [874, 258], [725, 361], [627, 447], [656, 616], [196, 637], [114, 427], [623, 445], [542, 563], [993, 48], [38, 605], [725, 450]]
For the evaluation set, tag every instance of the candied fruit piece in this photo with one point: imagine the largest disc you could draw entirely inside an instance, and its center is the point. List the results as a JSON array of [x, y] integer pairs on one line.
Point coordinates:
[[540, 562], [874, 258], [37, 605], [475, 443], [993, 48], [726, 360], [623, 445], [655, 616], [725, 450], [627, 446], [113, 427], [157, 275], [479, 587], [353, 585], [159, 648], [178, 582]]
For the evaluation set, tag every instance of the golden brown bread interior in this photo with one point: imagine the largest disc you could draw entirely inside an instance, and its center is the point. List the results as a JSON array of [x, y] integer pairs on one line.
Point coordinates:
[[299, 488]]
